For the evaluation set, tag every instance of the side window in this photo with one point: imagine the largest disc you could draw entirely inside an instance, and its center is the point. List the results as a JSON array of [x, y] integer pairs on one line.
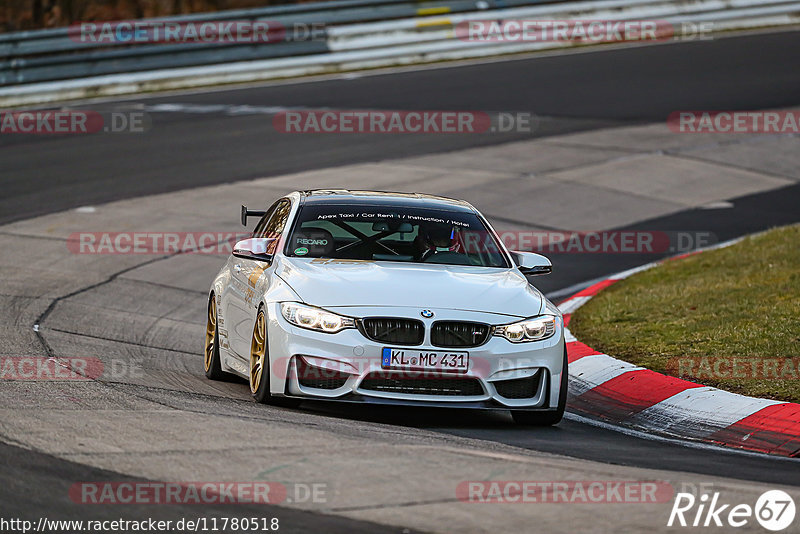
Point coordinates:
[[259, 229], [274, 222]]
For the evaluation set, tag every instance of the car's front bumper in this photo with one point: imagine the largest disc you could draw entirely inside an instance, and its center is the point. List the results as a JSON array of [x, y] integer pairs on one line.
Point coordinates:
[[346, 366]]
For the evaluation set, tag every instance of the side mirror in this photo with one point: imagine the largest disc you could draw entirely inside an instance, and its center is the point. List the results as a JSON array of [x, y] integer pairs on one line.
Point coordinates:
[[531, 264], [254, 249]]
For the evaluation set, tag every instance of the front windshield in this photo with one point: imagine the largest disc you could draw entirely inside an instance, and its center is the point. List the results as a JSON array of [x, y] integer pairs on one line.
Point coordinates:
[[393, 233]]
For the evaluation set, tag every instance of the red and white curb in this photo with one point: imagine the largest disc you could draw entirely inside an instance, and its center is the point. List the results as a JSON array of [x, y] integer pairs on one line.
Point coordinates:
[[602, 387]]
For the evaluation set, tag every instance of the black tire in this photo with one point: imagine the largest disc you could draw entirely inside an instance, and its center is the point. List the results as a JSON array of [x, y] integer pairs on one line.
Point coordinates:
[[528, 418], [261, 394], [211, 360]]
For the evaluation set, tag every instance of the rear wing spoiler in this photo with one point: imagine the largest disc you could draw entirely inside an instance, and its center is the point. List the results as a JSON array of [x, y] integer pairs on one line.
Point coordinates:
[[250, 213]]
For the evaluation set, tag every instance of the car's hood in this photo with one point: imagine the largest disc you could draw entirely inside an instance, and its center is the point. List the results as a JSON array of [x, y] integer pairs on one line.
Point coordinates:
[[383, 283]]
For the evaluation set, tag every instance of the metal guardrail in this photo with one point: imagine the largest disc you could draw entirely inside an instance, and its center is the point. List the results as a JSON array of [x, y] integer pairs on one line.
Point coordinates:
[[442, 32], [54, 54]]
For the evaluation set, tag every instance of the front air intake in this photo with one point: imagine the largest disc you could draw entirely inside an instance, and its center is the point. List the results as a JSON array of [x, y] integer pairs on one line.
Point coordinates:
[[456, 334], [411, 384], [396, 331]]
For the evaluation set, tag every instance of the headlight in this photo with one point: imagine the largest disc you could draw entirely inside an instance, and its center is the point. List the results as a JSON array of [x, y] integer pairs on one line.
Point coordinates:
[[535, 329], [315, 318]]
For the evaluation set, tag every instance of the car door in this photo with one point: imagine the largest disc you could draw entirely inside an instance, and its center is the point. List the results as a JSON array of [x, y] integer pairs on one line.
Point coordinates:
[[251, 279]]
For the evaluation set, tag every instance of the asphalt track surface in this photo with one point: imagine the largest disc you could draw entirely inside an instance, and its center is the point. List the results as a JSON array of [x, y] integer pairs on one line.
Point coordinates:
[[35, 484], [571, 92]]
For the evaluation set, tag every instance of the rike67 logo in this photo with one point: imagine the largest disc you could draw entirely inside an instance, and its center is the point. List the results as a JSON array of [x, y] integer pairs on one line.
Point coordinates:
[[774, 510]]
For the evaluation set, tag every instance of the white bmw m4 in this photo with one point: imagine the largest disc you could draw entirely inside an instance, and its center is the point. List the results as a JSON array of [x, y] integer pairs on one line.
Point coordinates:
[[386, 298]]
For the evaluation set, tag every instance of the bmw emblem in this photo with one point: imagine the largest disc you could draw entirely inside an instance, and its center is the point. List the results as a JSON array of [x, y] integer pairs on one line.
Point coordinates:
[[426, 313]]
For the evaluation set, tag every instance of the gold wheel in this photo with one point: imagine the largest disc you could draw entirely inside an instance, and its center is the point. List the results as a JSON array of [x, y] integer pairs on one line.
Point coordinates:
[[211, 332], [258, 351]]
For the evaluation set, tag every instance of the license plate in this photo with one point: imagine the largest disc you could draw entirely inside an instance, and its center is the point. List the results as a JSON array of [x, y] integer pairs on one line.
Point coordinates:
[[393, 358]]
